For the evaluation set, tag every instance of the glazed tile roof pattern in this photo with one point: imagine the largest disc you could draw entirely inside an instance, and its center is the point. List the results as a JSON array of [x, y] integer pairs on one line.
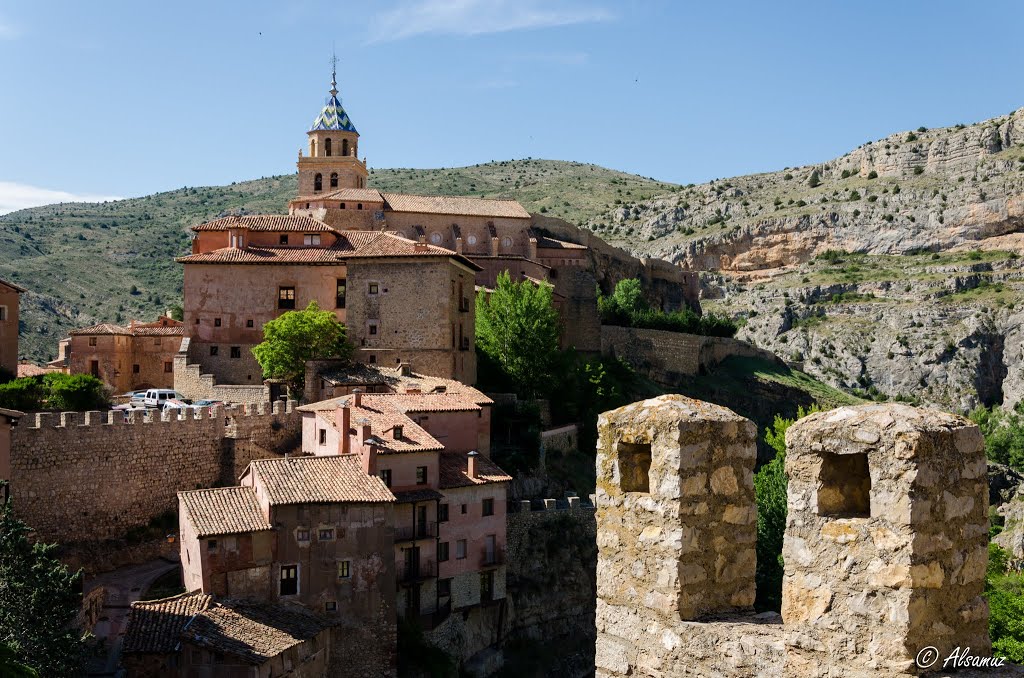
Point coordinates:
[[16, 288], [350, 245], [344, 194], [454, 205], [332, 117], [156, 625], [265, 222], [319, 480], [224, 510], [453, 471], [254, 632], [383, 419]]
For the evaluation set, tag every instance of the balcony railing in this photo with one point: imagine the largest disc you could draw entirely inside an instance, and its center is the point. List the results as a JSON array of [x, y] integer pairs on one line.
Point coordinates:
[[411, 572], [492, 557], [415, 532]]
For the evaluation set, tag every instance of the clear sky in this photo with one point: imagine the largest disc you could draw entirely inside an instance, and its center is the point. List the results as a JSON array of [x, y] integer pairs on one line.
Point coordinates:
[[129, 98]]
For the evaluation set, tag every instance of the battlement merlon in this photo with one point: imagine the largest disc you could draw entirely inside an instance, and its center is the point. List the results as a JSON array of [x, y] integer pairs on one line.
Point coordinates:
[[47, 420], [675, 502]]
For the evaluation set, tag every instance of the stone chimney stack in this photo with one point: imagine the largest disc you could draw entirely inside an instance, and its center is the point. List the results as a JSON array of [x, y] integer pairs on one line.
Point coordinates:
[[370, 458], [405, 369], [357, 397], [421, 246], [532, 249], [471, 469], [342, 419]]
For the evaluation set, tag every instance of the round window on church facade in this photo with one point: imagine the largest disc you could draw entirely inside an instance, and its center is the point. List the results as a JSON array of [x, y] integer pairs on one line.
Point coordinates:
[[471, 239], [506, 241], [435, 238]]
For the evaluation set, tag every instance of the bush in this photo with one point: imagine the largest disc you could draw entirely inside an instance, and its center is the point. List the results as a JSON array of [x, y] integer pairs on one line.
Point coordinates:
[[22, 394], [1004, 434], [872, 174], [626, 307], [1005, 594], [74, 392]]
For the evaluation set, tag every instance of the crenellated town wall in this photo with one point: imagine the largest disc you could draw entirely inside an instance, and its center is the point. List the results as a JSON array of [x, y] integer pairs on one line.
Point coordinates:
[[81, 477]]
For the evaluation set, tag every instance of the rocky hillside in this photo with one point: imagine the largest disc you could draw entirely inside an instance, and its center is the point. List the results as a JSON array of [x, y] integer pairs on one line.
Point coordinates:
[[114, 261], [892, 271]]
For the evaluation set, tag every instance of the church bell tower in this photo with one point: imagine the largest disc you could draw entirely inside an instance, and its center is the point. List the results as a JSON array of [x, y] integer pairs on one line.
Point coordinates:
[[332, 161]]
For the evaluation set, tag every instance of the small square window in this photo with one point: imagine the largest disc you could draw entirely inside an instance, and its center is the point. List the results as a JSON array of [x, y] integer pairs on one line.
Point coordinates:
[[325, 534], [136, 369], [460, 549], [442, 551], [302, 535], [248, 323], [373, 329], [331, 606], [216, 322], [311, 239], [236, 351], [373, 359], [374, 288], [92, 341], [488, 507], [845, 486], [344, 569], [444, 587], [323, 436], [421, 475], [211, 544], [168, 366], [463, 509], [197, 321], [634, 466], [284, 239], [3, 313], [286, 297], [442, 513], [157, 341], [385, 475], [214, 350]]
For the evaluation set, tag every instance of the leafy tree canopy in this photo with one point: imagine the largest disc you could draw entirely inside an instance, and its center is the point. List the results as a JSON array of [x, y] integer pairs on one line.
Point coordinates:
[[55, 391], [517, 327], [39, 600], [1004, 434], [297, 336]]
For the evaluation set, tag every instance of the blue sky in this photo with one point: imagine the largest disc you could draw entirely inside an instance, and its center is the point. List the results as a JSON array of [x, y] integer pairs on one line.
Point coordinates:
[[126, 98]]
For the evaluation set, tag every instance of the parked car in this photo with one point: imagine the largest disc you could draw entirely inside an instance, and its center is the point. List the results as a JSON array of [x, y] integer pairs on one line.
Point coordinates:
[[207, 403], [157, 397], [180, 404]]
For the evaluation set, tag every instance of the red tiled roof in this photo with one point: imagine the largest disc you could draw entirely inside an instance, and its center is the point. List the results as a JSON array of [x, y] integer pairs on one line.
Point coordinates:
[[344, 194], [454, 205], [155, 625], [350, 245], [224, 510], [27, 370], [102, 328], [550, 243], [265, 222], [253, 631], [453, 471], [320, 480], [383, 419], [168, 331], [16, 288], [423, 402], [159, 328], [362, 374]]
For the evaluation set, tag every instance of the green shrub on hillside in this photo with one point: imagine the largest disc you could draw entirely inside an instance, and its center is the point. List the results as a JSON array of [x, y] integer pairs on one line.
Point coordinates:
[[55, 391], [1005, 593], [627, 307], [1004, 434]]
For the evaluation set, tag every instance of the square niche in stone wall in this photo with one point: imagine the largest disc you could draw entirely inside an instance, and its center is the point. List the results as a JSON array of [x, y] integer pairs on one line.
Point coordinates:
[[844, 489], [634, 466]]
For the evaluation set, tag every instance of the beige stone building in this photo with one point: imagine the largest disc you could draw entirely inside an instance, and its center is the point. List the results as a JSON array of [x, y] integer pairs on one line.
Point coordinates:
[[10, 300], [126, 357]]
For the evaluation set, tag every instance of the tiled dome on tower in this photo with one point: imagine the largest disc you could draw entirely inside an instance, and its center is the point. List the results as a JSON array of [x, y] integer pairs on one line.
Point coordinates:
[[332, 116]]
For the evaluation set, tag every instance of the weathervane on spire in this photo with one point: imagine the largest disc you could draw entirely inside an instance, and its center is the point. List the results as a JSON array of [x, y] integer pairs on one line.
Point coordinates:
[[334, 73]]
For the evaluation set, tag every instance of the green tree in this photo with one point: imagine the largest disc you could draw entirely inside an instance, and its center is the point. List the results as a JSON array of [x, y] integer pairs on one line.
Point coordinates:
[[25, 394], [177, 312], [517, 327], [770, 488], [39, 601], [296, 337], [1004, 434], [11, 667], [74, 392], [1005, 593]]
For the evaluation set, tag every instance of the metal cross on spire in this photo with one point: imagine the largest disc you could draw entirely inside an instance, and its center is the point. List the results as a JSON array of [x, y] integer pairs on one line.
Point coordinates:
[[334, 73]]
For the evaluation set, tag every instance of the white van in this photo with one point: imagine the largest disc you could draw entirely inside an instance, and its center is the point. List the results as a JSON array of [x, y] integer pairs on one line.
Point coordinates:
[[157, 397]]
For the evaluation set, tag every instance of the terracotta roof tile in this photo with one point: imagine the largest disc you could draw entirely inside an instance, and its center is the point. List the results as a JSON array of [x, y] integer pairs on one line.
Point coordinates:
[[383, 420], [27, 370], [265, 222], [454, 205], [363, 374], [424, 402], [170, 331], [350, 245], [103, 328], [252, 631], [344, 195], [452, 471], [154, 329], [16, 288], [550, 243], [156, 625], [324, 480], [421, 494], [224, 510]]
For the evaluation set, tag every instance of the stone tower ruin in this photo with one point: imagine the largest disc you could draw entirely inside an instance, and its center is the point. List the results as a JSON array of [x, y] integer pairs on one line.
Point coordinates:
[[885, 545]]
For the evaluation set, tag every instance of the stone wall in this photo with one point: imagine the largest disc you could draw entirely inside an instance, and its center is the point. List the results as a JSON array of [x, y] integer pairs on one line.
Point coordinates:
[[86, 477], [190, 382], [667, 356], [884, 547]]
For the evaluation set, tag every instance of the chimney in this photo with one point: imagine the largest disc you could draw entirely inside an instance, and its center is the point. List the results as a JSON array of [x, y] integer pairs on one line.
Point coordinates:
[[458, 244], [363, 431], [413, 389], [471, 471], [421, 246], [357, 397], [370, 459], [532, 249], [342, 419]]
